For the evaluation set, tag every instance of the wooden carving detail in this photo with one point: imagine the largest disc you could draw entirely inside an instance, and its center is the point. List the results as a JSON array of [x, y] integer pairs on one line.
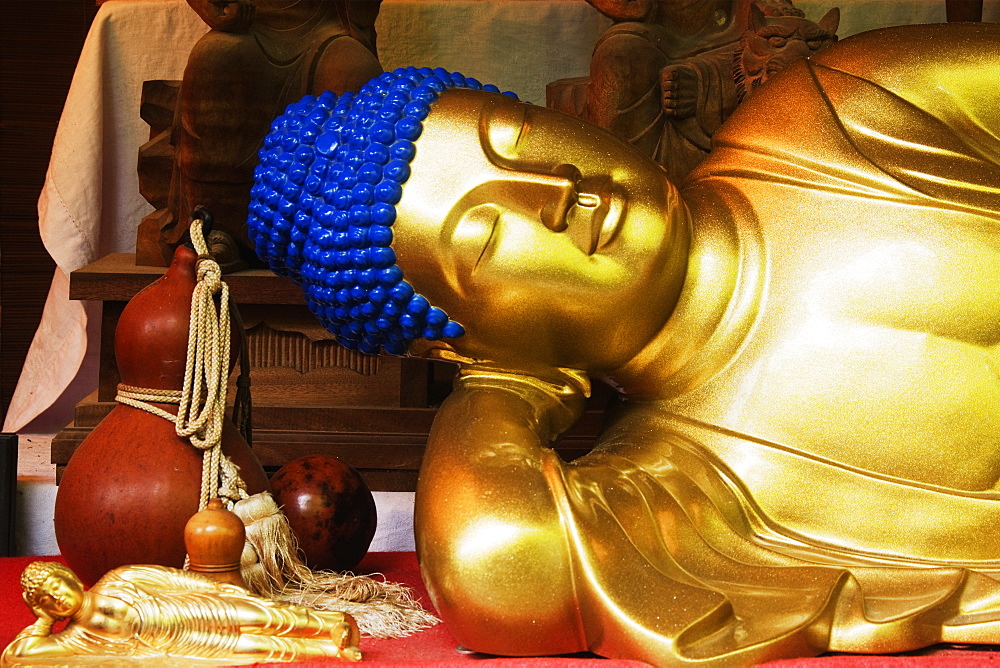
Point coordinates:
[[662, 76], [270, 347], [258, 57]]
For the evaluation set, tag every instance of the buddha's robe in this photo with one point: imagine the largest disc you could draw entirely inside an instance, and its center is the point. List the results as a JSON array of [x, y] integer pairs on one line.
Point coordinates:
[[820, 471], [846, 409]]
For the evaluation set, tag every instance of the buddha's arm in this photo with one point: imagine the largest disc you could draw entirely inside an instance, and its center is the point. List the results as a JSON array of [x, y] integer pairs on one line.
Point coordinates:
[[33, 644], [490, 539], [158, 580]]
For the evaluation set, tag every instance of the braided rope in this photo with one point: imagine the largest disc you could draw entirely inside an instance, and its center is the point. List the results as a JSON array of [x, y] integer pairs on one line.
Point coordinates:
[[202, 401]]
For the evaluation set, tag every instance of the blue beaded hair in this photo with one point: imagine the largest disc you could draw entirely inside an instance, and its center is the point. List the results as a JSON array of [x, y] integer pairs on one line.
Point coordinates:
[[323, 204]]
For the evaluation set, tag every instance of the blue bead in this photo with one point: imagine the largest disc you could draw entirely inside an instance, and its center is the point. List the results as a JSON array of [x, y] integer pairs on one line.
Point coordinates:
[[341, 220], [397, 99], [417, 305], [403, 150], [313, 184], [432, 333], [395, 347], [370, 173], [407, 320], [436, 317], [343, 296], [390, 276], [347, 180], [358, 237], [326, 144], [383, 132], [358, 216], [390, 309], [368, 348], [435, 84], [473, 84], [342, 200], [408, 128], [421, 94], [382, 257], [390, 113], [368, 309], [287, 210], [397, 170], [383, 214], [452, 330], [358, 292], [378, 295], [363, 193], [305, 155], [401, 291], [389, 192], [417, 110], [308, 134], [366, 278], [379, 235], [377, 154], [359, 258], [325, 215]]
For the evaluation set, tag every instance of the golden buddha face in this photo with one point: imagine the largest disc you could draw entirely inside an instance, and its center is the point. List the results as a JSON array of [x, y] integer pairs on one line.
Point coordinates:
[[548, 239], [60, 595]]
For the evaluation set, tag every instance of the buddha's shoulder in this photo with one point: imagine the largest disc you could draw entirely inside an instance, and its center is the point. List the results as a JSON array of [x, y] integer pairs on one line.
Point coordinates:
[[883, 53]]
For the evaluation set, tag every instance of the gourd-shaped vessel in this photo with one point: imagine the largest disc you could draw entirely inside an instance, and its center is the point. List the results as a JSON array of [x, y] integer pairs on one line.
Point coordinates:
[[132, 484]]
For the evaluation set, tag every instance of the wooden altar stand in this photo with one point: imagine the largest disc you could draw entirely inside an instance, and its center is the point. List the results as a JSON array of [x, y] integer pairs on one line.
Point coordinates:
[[310, 394]]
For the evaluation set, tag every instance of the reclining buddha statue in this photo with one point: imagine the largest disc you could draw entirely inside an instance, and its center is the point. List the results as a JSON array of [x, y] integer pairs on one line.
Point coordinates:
[[805, 455]]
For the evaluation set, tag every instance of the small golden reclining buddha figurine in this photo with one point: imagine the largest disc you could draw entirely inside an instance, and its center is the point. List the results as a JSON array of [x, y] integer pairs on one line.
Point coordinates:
[[170, 617], [806, 338]]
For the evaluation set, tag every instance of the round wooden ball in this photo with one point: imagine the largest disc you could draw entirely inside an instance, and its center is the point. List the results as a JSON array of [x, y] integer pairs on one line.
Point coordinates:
[[330, 509]]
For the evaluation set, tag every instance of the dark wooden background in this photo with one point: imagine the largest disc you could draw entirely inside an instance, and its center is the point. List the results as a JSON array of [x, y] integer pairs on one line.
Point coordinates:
[[40, 42]]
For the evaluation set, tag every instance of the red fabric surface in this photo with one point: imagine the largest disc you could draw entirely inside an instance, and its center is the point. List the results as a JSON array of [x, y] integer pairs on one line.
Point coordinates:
[[436, 646]]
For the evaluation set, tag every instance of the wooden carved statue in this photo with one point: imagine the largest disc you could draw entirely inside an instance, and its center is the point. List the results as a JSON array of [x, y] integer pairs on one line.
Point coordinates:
[[668, 73], [259, 56]]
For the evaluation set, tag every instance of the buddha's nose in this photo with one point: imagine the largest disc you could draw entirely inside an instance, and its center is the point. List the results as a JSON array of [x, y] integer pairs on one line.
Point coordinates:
[[560, 194]]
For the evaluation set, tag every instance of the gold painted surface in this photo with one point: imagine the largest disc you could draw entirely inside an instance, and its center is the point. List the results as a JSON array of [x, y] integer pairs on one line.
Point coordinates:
[[154, 615], [807, 336]]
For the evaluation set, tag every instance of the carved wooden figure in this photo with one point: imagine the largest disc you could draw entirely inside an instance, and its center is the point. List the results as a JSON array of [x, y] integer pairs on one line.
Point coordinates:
[[258, 57], [667, 74]]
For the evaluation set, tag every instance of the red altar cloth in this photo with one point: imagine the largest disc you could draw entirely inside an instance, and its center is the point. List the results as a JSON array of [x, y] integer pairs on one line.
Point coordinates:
[[436, 646]]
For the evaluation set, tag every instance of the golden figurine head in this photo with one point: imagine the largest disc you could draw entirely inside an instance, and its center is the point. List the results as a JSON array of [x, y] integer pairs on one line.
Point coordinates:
[[52, 587], [431, 214]]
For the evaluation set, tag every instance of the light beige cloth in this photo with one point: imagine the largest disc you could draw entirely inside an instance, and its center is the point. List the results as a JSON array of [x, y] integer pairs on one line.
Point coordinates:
[[90, 203]]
